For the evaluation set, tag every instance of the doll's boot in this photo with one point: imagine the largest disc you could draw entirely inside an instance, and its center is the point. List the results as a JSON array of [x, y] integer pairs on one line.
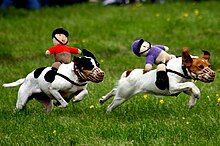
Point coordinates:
[[162, 81]]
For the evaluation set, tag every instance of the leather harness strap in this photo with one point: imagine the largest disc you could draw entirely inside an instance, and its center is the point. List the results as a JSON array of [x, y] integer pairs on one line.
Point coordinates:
[[185, 75], [72, 82]]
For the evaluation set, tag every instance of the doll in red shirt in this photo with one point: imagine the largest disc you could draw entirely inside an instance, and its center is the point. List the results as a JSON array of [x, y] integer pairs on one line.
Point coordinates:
[[60, 50]]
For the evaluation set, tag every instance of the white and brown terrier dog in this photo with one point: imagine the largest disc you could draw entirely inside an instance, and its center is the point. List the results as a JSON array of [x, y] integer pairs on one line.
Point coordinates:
[[47, 83], [181, 71]]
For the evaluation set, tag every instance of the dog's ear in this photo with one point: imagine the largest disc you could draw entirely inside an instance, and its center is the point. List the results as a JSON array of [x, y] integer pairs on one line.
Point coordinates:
[[75, 59], [206, 55], [87, 53], [186, 58]]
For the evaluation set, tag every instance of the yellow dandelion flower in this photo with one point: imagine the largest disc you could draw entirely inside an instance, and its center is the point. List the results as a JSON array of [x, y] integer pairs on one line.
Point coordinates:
[[161, 101], [92, 106], [145, 96], [194, 81], [157, 15], [196, 12], [185, 14], [218, 100]]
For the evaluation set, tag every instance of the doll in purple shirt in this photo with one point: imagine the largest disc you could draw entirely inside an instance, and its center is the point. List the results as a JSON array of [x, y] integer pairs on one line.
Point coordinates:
[[154, 54]]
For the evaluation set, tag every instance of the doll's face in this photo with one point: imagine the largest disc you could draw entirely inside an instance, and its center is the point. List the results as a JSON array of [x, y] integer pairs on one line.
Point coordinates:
[[61, 37], [144, 48]]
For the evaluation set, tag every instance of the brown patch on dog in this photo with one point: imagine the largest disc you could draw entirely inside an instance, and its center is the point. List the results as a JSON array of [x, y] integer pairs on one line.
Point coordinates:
[[186, 58], [128, 72], [144, 71]]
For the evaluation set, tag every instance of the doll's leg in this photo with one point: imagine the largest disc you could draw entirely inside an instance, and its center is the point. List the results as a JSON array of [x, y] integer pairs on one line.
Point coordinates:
[[162, 81], [56, 65]]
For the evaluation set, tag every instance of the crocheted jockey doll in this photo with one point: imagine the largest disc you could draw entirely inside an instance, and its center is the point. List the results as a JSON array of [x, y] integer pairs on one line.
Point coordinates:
[[155, 54], [60, 50]]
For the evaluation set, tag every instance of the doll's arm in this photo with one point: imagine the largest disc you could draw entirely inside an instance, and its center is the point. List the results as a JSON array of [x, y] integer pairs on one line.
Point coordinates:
[[165, 48], [50, 50], [149, 62], [75, 50]]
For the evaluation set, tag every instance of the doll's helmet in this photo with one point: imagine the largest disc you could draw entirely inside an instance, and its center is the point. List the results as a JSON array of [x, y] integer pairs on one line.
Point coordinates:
[[60, 31], [136, 46]]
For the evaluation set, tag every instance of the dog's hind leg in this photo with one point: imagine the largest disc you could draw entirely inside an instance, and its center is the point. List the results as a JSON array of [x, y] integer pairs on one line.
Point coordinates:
[[123, 93], [115, 103], [108, 96], [23, 94], [44, 99]]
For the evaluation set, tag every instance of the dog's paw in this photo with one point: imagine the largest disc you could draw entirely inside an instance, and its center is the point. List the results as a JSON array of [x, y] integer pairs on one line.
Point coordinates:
[[75, 100], [101, 100], [191, 106], [192, 102], [63, 105]]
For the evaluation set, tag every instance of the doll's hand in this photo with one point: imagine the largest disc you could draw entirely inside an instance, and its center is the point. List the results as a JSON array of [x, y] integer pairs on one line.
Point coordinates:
[[148, 67], [79, 51], [47, 52], [166, 48]]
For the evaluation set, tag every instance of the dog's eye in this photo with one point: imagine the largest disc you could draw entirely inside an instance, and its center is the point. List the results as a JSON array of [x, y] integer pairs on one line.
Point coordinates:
[[201, 66]]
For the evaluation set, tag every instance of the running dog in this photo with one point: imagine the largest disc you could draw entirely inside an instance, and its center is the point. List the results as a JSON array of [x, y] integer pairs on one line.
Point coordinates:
[[47, 83], [181, 71]]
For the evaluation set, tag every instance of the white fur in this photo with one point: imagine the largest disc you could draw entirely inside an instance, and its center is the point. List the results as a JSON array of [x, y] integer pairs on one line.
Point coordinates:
[[137, 82]]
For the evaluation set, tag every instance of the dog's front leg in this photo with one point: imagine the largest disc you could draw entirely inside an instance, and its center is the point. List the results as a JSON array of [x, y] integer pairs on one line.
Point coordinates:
[[188, 88], [58, 97], [80, 95]]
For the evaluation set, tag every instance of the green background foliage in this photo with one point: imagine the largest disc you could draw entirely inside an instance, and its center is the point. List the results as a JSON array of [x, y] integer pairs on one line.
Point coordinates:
[[108, 32]]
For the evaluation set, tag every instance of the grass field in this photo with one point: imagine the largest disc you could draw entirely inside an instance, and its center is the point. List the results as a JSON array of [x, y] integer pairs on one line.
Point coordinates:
[[109, 32]]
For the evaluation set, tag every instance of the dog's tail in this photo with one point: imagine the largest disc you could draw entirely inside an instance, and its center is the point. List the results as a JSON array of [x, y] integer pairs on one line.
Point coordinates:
[[13, 84]]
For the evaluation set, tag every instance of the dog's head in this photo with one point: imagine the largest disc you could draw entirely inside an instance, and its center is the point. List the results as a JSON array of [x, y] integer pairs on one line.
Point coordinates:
[[199, 67], [88, 67]]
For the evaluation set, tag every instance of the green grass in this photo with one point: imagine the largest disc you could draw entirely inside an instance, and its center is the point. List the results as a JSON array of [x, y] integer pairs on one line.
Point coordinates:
[[109, 32]]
